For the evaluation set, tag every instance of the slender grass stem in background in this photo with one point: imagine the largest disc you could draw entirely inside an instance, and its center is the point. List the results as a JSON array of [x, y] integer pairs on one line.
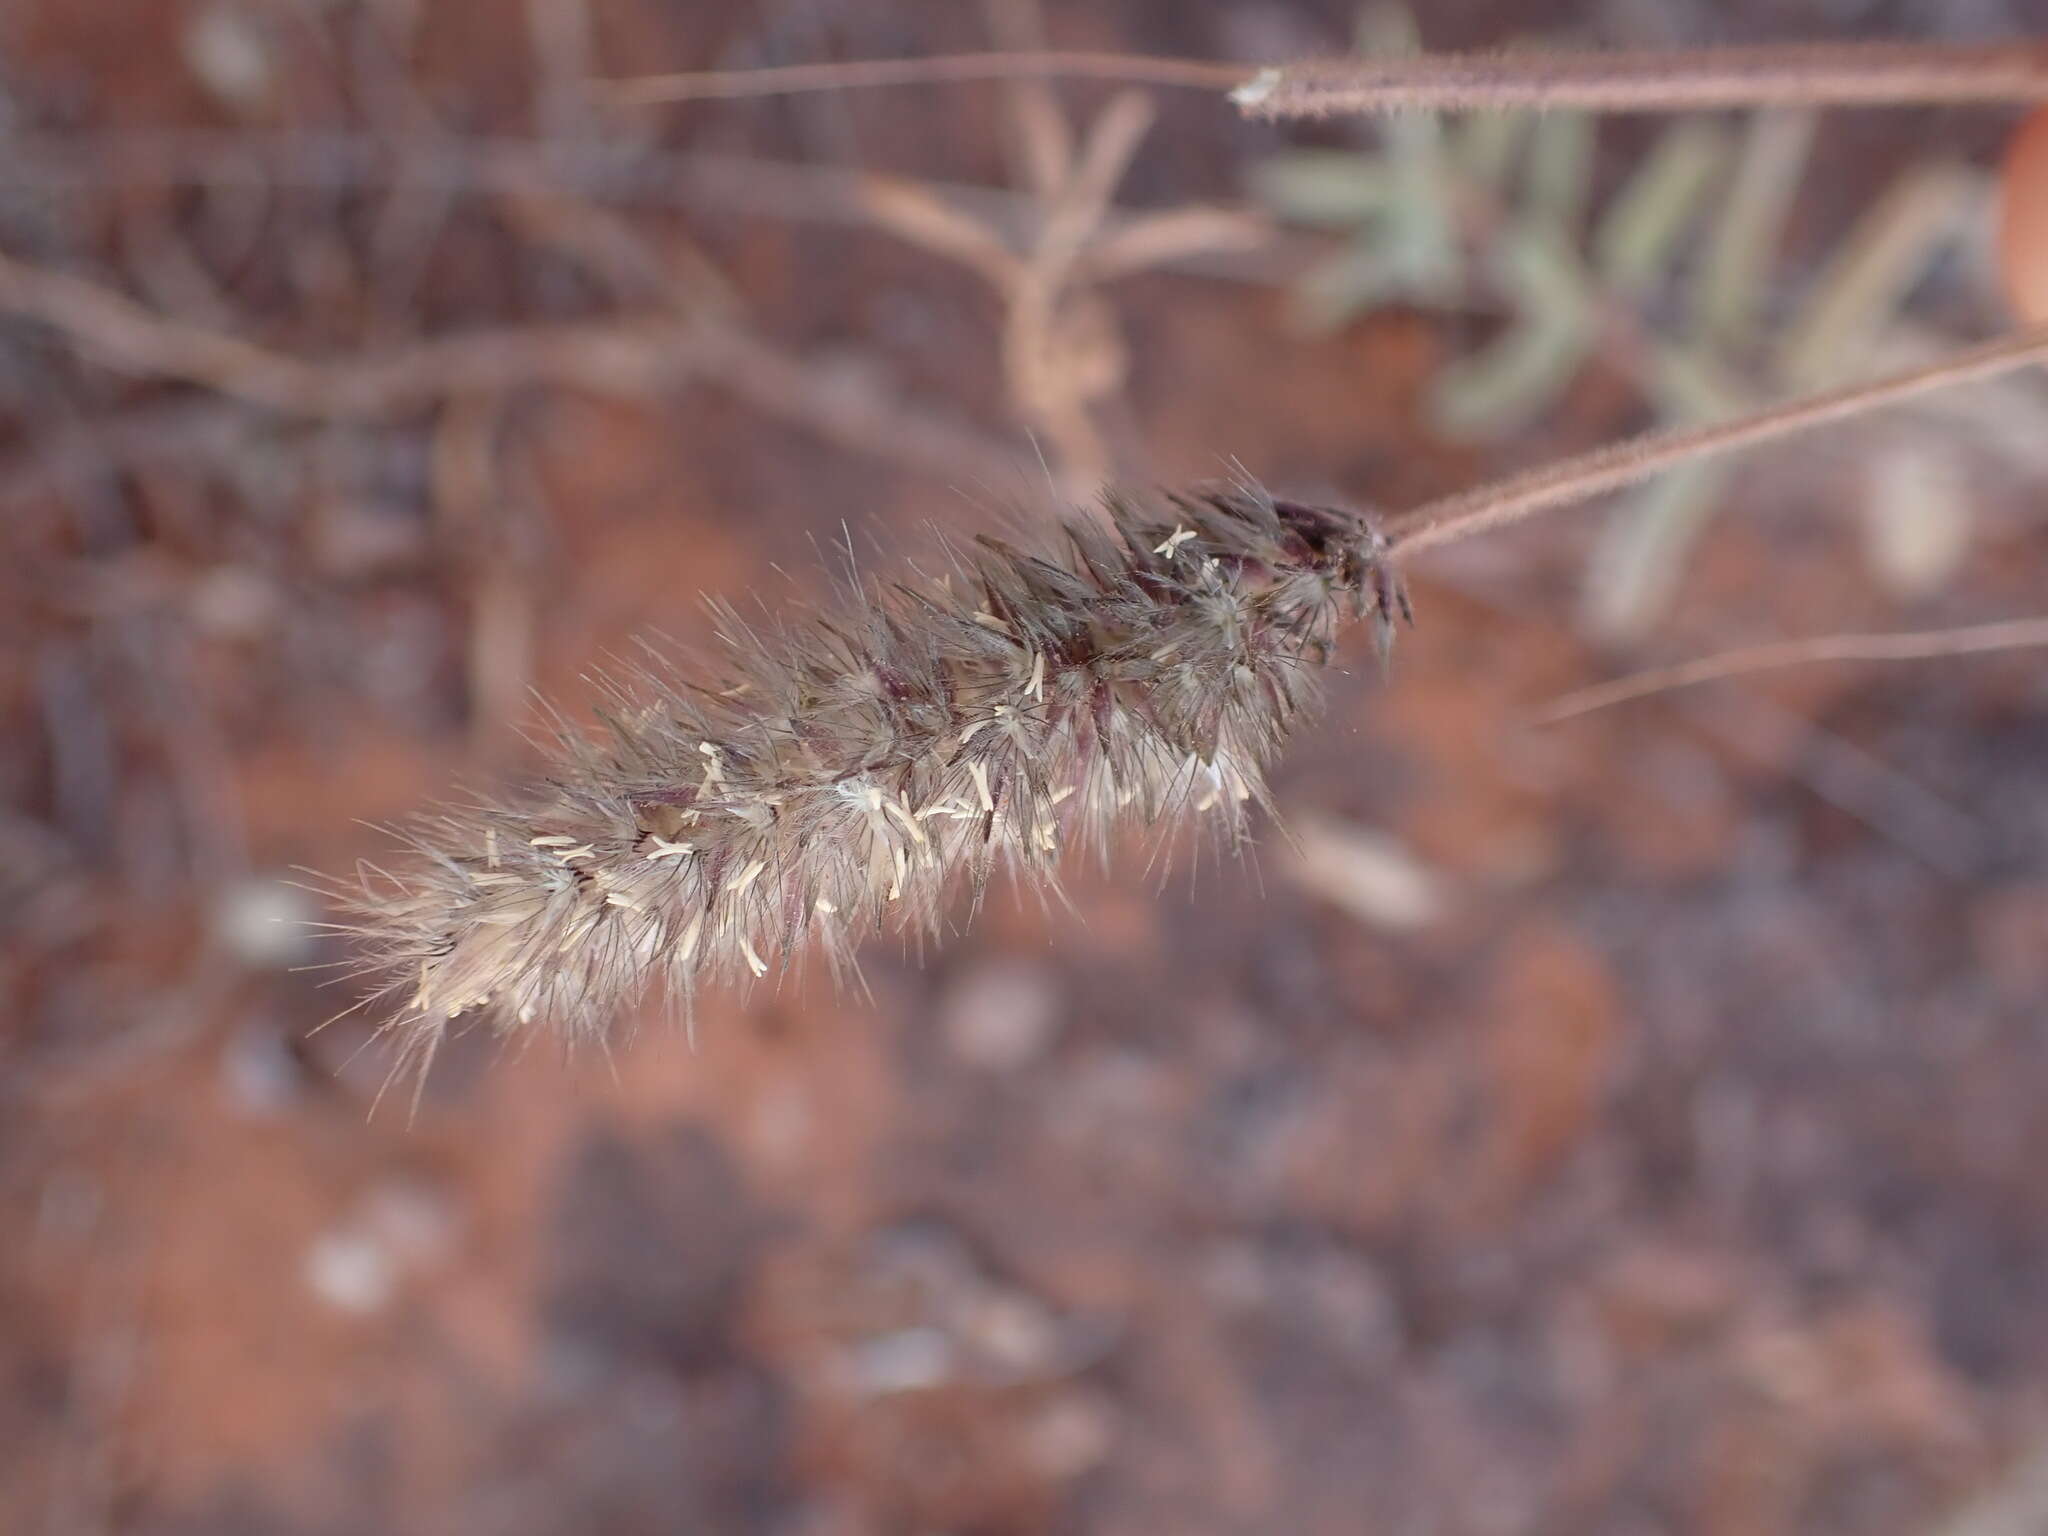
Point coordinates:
[[1577, 480], [945, 69], [1918, 645], [1691, 80], [1797, 74]]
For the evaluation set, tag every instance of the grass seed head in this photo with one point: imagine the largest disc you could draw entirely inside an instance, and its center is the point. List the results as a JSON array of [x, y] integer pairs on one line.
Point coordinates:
[[819, 780]]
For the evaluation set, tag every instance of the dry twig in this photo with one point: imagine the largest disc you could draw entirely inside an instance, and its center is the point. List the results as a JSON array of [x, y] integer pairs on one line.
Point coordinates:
[[855, 413], [634, 357], [1230, 243], [961, 68], [123, 335], [1060, 351], [1045, 362]]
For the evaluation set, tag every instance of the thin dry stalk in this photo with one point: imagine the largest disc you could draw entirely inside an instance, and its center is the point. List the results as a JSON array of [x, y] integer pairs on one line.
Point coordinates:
[[969, 224], [1060, 351], [1046, 378], [1233, 244], [487, 519], [914, 213], [1043, 143], [129, 338], [1815, 74], [636, 358], [1612, 468], [1142, 242], [563, 55], [959, 68], [1798, 74], [856, 414], [1692, 80], [682, 276], [1918, 645]]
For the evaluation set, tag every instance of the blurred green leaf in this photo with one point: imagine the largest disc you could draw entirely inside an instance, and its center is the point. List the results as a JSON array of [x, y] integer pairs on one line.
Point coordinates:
[[1487, 144], [1508, 384], [1337, 291], [1917, 520], [1694, 230], [1422, 237], [1560, 176], [1384, 27], [1690, 384], [1641, 552], [1883, 259], [1637, 240], [1750, 225], [1640, 555], [1332, 188]]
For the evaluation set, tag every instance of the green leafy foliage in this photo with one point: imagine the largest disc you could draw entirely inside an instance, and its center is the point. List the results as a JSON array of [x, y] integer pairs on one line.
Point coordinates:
[[1671, 275]]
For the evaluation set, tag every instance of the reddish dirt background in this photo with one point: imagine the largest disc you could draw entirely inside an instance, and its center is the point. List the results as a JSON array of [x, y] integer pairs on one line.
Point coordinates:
[[1681, 1174]]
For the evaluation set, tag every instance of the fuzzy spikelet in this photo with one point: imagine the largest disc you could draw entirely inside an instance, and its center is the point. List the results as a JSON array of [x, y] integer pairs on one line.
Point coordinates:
[[846, 773]]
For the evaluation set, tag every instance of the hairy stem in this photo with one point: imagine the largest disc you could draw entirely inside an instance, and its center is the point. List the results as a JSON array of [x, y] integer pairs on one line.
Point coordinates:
[[1572, 481], [1692, 80]]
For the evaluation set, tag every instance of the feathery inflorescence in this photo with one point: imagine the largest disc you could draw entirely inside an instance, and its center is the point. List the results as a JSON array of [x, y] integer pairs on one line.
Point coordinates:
[[840, 774]]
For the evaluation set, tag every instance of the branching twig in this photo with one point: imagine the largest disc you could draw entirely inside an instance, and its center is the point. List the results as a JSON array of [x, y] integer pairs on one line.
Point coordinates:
[[638, 357], [1042, 381], [634, 357], [1921, 645], [1581, 479], [858, 416], [125, 336], [1047, 334], [1237, 244], [1043, 143]]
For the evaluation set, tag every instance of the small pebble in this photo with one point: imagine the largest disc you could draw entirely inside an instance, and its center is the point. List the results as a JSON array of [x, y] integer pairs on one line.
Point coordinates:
[[264, 923], [1000, 1015], [228, 54], [351, 1272]]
